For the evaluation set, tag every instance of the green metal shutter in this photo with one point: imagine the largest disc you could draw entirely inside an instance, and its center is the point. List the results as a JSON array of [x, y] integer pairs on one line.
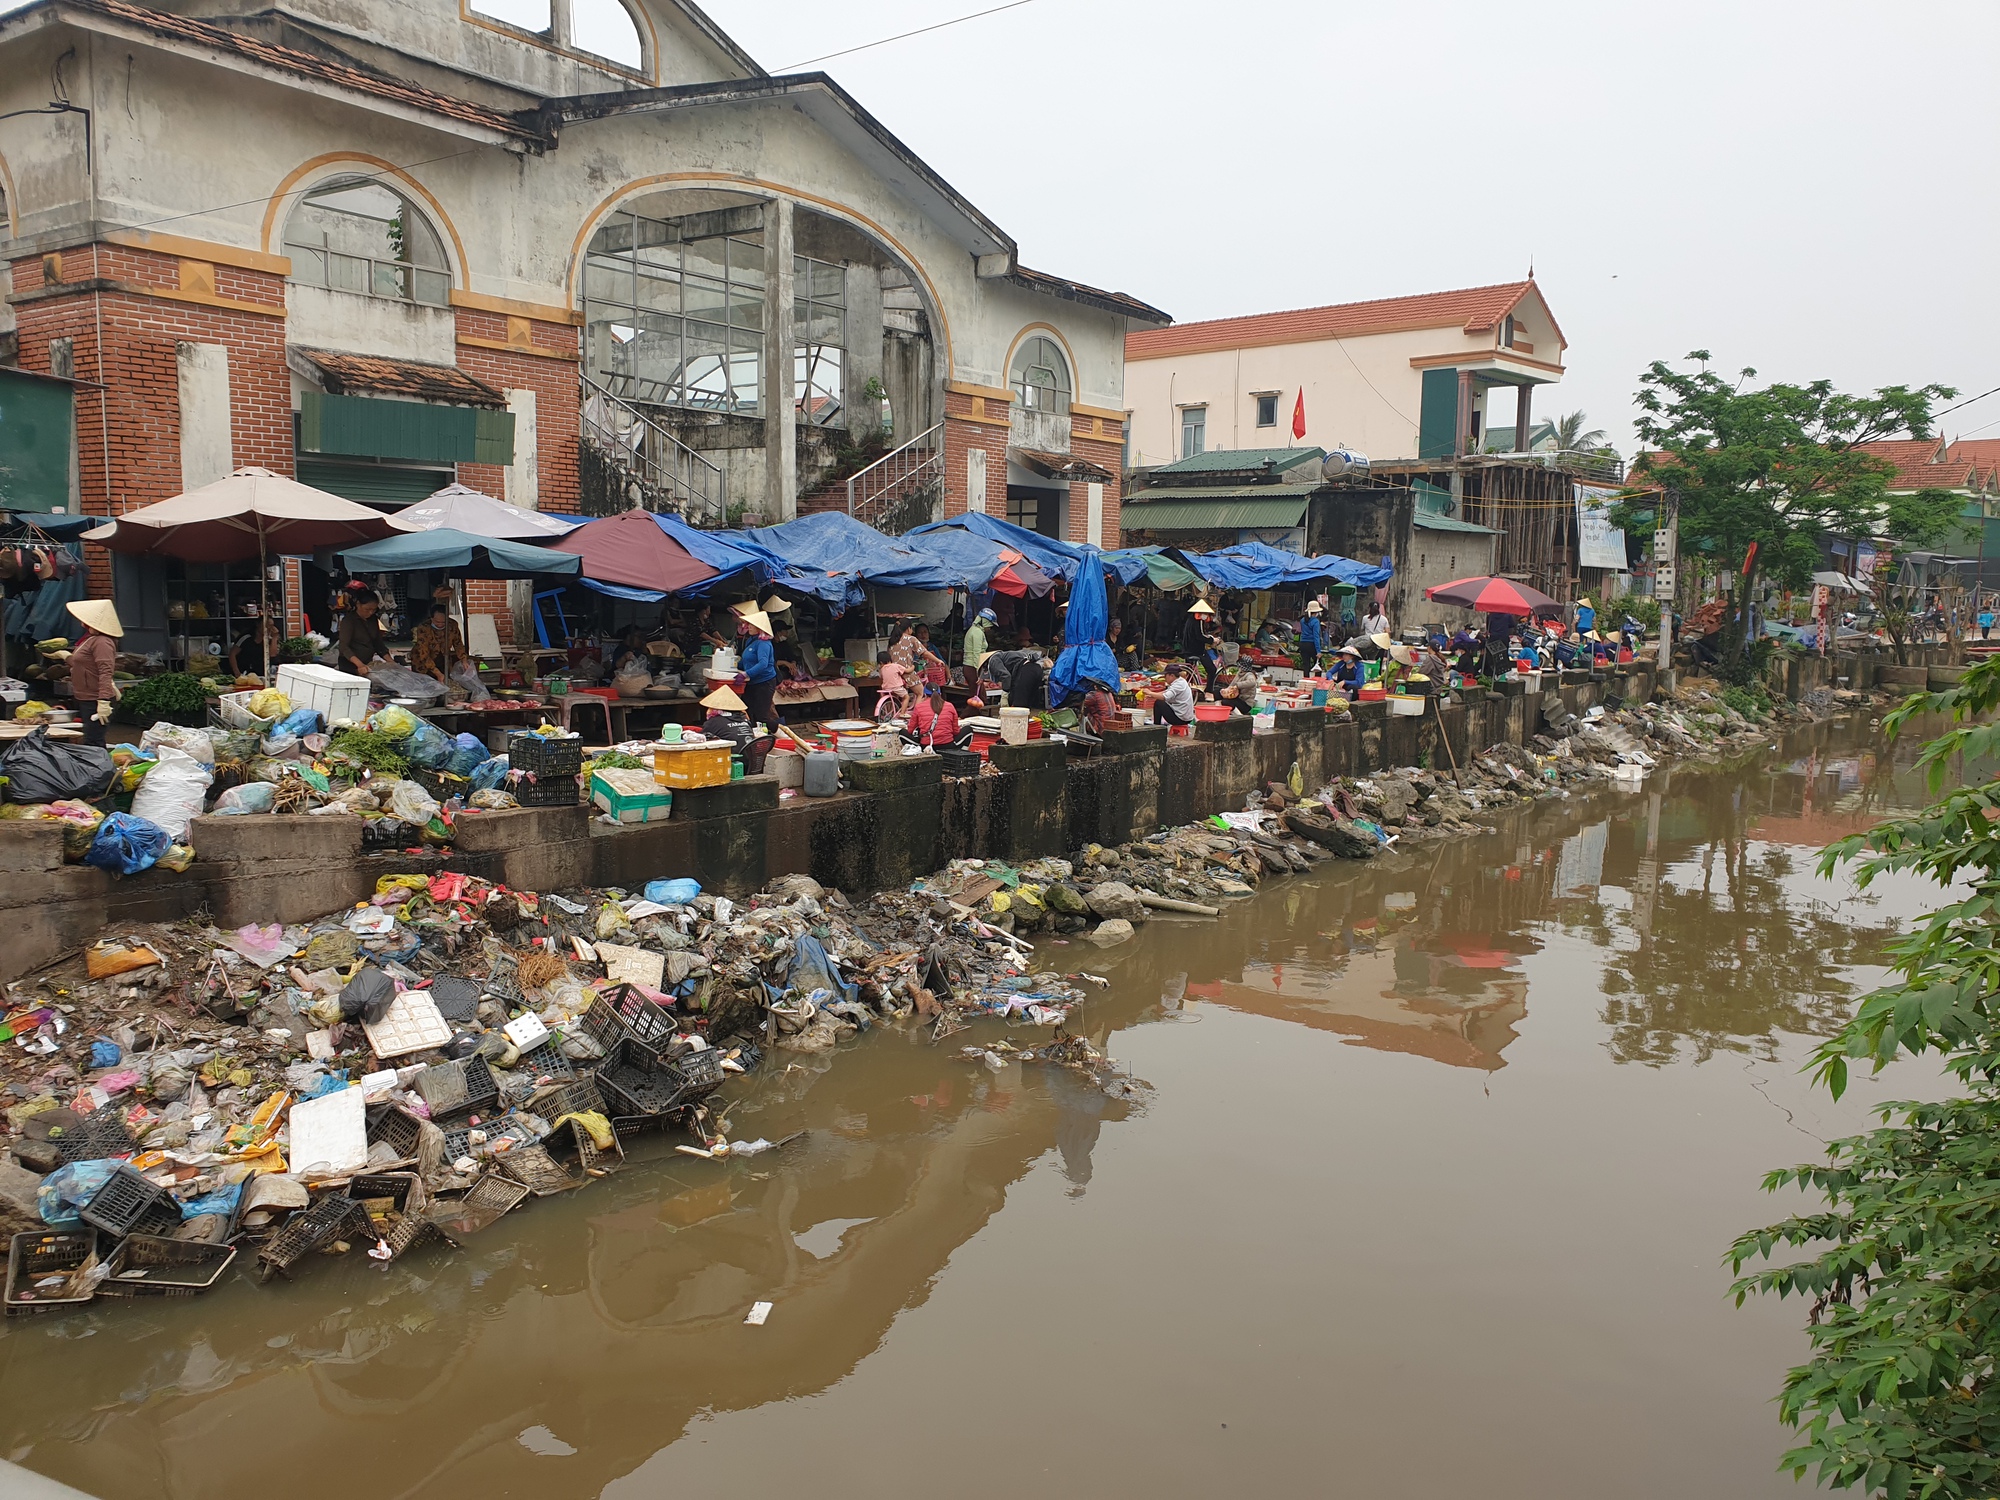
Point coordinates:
[[493, 438], [36, 421], [365, 427], [1437, 426], [372, 484]]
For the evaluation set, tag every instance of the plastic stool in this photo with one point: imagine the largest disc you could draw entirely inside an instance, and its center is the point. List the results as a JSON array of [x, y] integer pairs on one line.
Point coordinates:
[[569, 703]]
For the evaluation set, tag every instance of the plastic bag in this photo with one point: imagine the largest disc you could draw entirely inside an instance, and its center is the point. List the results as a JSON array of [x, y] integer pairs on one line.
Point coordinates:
[[465, 675], [393, 723], [489, 775], [673, 892], [368, 996], [412, 803], [468, 753], [67, 1189], [172, 792], [39, 769], [251, 797], [427, 746], [401, 682], [233, 744], [300, 722], [269, 703], [126, 844], [191, 742]]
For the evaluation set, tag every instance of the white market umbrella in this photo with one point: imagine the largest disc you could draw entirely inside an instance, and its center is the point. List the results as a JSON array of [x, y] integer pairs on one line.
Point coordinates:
[[251, 514], [459, 508]]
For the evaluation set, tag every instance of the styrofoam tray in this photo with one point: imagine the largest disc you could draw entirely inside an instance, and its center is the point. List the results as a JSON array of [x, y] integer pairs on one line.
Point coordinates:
[[412, 1023]]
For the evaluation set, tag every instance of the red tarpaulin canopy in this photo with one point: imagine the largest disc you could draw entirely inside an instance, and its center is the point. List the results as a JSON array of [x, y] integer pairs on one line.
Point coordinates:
[[631, 549]]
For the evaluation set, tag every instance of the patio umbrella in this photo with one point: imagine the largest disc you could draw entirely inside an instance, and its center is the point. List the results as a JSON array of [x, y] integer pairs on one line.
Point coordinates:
[[1494, 596], [632, 551], [449, 551], [252, 513], [462, 509], [1085, 656]]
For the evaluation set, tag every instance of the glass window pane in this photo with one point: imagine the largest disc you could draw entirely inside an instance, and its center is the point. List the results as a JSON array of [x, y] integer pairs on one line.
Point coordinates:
[[308, 264], [746, 308], [707, 258], [705, 299], [746, 261], [829, 283], [826, 325], [658, 294], [608, 280], [432, 287]]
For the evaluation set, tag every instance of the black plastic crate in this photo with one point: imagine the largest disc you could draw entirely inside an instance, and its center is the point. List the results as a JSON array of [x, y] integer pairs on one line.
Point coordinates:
[[545, 757], [482, 1206], [960, 762], [331, 1218], [441, 784], [543, 791], [129, 1204], [97, 1136], [40, 1253], [634, 1082], [395, 1128], [548, 1061], [579, 1096], [702, 1070], [151, 1266], [624, 1014], [457, 999], [537, 1171], [454, 1088]]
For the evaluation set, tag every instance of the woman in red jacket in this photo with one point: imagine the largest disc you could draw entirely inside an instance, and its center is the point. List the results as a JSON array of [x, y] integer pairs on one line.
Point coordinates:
[[934, 721]]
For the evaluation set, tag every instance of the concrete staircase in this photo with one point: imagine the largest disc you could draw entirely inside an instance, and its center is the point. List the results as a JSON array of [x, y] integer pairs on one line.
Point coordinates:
[[899, 490]]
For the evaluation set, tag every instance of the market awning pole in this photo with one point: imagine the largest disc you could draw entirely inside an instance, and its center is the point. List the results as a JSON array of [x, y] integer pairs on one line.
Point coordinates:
[[264, 600]]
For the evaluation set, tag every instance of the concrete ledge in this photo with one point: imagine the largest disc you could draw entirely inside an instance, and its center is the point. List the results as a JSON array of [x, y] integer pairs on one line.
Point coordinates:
[[1135, 741], [491, 831], [895, 773], [1301, 720], [751, 794], [30, 848], [1036, 755], [279, 839], [1370, 713], [1941, 679], [1230, 730], [1916, 679]]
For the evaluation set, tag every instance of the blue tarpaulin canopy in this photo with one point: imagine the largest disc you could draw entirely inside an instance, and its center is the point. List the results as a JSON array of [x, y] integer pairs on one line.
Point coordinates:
[[1085, 657], [736, 556], [447, 551], [831, 555], [1254, 565], [1058, 559]]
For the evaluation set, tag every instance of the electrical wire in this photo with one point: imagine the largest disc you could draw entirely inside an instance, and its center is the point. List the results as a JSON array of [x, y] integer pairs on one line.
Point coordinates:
[[904, 35]]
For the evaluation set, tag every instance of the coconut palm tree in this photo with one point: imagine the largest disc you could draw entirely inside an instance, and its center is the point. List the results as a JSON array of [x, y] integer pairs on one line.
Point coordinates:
[[1572, 437]]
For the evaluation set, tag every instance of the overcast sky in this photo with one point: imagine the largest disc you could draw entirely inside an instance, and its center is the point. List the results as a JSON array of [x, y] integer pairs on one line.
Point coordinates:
[[1802, 188]]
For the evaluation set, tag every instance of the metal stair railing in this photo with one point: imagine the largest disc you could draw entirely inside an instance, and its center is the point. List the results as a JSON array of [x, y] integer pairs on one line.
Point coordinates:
[[875, 492], [658, 458]]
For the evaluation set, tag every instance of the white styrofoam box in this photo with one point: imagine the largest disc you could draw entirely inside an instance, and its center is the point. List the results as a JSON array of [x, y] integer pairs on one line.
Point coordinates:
[[527, 1031], [867, 649], [1284, 676], [412, 1023], [338, 695]]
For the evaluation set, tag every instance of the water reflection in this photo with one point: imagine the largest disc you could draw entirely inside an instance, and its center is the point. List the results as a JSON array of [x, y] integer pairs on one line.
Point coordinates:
[[585, 1335]]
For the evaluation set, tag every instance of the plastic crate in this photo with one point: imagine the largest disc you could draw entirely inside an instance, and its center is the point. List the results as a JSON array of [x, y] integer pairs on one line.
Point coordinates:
[[441, 784], [579, 1096], [702, 1070], [630, 796], [625, 1012], [635, 1082], [455, 1087], [574, 1140], [537, 1171], [687, 766], [233, 709], [548, 1061], [395, 1128], [332, 1218], [545, 758], [543, 791], [40, 1253], [960, 762], [456, 999], [97, 1136], [149, 1266], [488, 1200], [129, 1204], [337, 695]]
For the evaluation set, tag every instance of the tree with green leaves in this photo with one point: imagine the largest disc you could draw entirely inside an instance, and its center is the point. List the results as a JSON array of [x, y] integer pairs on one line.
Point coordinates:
[[1774, 469], [1572, 436], [1901, 1396]]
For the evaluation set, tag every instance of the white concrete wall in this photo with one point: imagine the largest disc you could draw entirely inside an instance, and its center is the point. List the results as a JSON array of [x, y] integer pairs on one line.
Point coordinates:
[[208, 440]]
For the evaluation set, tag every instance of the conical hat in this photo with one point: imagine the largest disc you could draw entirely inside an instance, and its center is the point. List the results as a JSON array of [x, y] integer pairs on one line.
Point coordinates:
[[724, 698], [1201, 607], [777, 604], [101, 615], [758, 621], [1403, 655], [1382, 640]]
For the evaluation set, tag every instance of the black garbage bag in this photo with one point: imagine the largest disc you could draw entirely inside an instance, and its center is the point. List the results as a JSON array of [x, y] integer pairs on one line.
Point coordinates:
[[367, 996], [39, 769]]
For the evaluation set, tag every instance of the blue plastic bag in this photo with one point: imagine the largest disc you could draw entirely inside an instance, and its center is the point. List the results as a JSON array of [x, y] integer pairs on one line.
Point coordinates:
[[125, 844], [428, 746], [488, 775], [468, 754], [221, 1201], [67, 1189], [299, 723], [105, 1053], [673, 892]]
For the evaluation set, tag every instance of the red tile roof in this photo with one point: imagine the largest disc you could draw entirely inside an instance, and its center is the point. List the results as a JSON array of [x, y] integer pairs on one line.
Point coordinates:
[[1475, 309], [1923, 464], [303, 64], [1983, 452], [347, 374]]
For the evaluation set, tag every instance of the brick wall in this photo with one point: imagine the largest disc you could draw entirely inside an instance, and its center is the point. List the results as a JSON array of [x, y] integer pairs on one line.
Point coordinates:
[[974, 422], [550, 371]]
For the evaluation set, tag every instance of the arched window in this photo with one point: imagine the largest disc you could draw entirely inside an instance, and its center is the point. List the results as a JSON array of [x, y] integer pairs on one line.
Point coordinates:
[[354, 234], [606, 28], [1041, 376], [529, 15]]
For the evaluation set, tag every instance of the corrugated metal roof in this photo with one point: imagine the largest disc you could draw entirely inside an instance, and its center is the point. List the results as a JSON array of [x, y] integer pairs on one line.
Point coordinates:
[[1431, 521], [1243, 460], [1220, 510]]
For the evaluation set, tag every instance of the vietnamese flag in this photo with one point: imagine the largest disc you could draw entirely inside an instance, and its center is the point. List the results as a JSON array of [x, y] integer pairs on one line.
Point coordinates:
[[1299, 416]]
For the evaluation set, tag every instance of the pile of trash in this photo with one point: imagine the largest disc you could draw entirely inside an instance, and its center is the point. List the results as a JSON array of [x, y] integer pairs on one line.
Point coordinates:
[[409, 1071]]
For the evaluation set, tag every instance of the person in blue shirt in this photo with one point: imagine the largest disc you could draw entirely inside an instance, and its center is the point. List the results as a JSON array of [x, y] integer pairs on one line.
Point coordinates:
[[1348, 671], [1586, 616], [759, 666], [1311, 640]]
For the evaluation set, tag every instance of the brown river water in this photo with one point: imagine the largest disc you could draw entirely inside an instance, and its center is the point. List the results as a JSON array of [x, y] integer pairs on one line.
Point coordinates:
[[1429, 1198]]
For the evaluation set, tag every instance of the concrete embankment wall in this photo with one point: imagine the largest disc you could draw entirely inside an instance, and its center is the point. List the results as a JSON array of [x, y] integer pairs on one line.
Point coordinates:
[[900, 819]]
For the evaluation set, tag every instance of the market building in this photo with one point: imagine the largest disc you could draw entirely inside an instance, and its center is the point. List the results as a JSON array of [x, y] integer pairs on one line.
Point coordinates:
[[599, 258]]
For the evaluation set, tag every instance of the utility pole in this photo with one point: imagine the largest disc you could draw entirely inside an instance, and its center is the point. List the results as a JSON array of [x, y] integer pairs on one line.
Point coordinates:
[[1666, 552]]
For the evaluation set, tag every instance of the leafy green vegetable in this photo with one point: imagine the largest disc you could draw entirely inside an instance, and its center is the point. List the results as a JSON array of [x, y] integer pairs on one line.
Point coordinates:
[[368, 750], [168, 693], [614, 760]]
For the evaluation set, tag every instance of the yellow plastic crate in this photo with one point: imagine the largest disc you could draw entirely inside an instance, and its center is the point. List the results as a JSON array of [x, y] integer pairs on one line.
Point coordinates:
[[691, 765]]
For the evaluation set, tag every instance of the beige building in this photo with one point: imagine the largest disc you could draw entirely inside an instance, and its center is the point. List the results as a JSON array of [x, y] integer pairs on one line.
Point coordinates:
[[1402, 378]]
